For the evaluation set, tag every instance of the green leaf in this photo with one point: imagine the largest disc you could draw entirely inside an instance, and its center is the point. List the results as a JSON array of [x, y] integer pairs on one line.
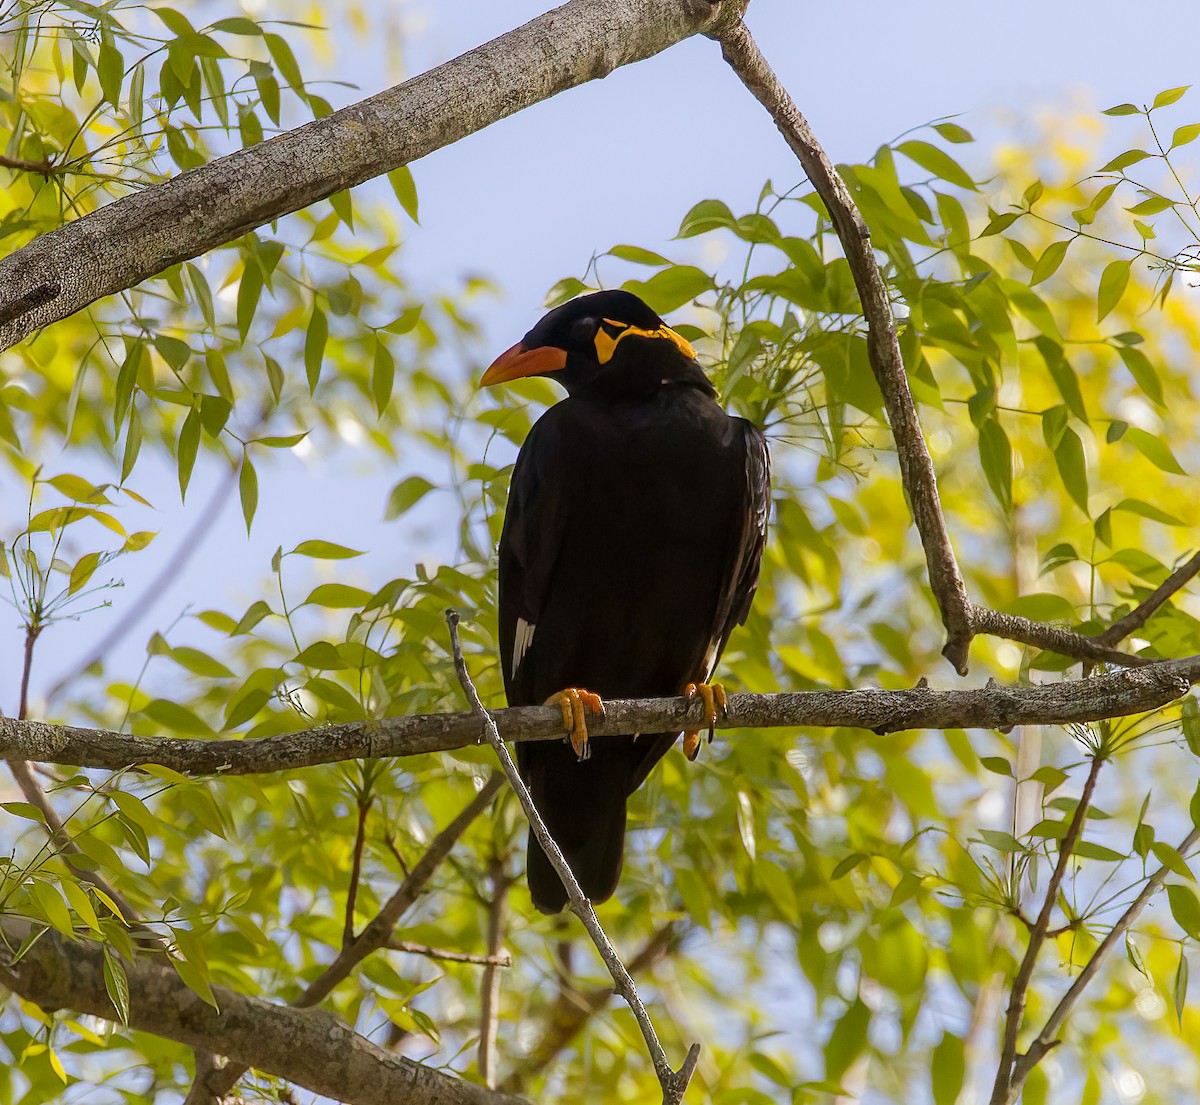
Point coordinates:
[[383, 374], [1152, 205], [1154, 449], [948, 1069], [1143, 372], [1169, 96], [1184, 135], [337, 596], [997, 765], [995, 453], [638, 256], [324, 550], [1113, 282], [185, 451], [1123, 161], [1122, 109], [199, 663], [248, 490], [116, 984], [1185, 908], [847, 1040], [1146, 510], [1171, 859], [249, 292], [952, 132], [405, 188], [405, 495], [705, 216], [938, 162], [51, 906], [1179, 989], [1072, 467], [671, 288], [1087, 849], [111, 70], [133, 443], [314, 347], [1050, 260]]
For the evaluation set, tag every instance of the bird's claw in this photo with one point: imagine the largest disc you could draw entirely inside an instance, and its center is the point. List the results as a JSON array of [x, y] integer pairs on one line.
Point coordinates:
[[714, 698], [576, 704]]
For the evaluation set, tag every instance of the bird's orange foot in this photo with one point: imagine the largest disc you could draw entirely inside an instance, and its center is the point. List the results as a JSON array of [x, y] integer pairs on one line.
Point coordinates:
[[714, 699], [576, 704]]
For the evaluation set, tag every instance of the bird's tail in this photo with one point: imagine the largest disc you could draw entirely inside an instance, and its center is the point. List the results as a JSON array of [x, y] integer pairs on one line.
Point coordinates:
[[583, 806]]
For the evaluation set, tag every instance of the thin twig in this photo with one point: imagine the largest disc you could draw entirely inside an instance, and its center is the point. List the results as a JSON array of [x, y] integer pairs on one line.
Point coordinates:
[[673, 1083], [489, 1016], [883, 346], [1037, 936], [572, 1010], [189, 544], [1013, 627], [1048, 1037], [1140, 614], [218, 1083], [360, 838], [498, 960], [60, 839]]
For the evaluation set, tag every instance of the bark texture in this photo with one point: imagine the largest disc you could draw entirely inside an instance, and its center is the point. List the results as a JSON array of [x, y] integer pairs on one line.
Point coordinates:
[[140, 235], [995, 706], [309, 1047]]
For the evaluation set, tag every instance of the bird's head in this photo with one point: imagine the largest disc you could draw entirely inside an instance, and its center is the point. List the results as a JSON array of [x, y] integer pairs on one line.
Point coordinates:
[[604, 342]]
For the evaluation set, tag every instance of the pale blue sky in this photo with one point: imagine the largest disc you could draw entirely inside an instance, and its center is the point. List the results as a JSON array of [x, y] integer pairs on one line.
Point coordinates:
[[529, 200]]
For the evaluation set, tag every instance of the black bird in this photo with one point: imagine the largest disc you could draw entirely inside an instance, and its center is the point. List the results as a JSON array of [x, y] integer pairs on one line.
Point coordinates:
[[630, 550]]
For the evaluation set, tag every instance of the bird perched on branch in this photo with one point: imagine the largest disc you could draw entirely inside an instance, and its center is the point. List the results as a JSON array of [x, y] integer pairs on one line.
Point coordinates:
[[630, 549]]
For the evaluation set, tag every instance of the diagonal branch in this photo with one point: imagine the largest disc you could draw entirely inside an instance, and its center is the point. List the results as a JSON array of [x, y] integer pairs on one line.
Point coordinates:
[[311, 1048], [137, 236], [214, 1084], [995, 706], [1048, 1037], [573, 1010], [674, 1083], [1139, 615], [883, 346], [1037, 937]]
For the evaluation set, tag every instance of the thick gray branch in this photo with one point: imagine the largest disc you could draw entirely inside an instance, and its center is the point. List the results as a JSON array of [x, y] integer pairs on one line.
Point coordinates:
[[142, 234], [883, 346], [1115, 694], [311, 1048]]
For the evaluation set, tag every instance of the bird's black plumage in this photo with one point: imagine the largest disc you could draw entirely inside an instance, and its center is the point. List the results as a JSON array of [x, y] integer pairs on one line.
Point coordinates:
[[630, 550]]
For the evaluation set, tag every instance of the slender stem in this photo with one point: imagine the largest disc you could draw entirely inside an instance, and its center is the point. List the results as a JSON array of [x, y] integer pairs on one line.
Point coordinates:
[[489, 1016], [377, 934], [673, 1083], [1001, 1089], [1048, 1037], [1138, 616], [364, 807], [497, 960], [883, 346]]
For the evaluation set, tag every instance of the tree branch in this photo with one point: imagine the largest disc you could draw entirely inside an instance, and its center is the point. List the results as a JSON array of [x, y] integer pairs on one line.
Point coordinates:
[[500, 960], [1142, 613], [573, 1010], [1012, 627], [216, 1083], [883, 346], [489, 1015], [995, 706], [674, 1083], [1037, 936], [142, 234], [311, 1048], [1048, 1037]]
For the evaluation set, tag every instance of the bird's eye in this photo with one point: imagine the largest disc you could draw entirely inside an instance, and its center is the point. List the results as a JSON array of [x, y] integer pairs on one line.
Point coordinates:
[[583, 332]]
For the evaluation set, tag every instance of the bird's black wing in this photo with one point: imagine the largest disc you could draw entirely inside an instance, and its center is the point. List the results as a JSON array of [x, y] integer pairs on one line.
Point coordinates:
[[530, 542], [741, 579]]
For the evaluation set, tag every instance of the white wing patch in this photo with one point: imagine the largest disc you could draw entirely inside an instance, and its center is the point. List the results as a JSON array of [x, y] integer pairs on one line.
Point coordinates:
[[521, 642], [710, 660]]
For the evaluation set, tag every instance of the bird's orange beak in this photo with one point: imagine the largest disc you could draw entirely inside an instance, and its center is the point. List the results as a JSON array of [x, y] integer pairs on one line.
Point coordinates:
[[517, 362]]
